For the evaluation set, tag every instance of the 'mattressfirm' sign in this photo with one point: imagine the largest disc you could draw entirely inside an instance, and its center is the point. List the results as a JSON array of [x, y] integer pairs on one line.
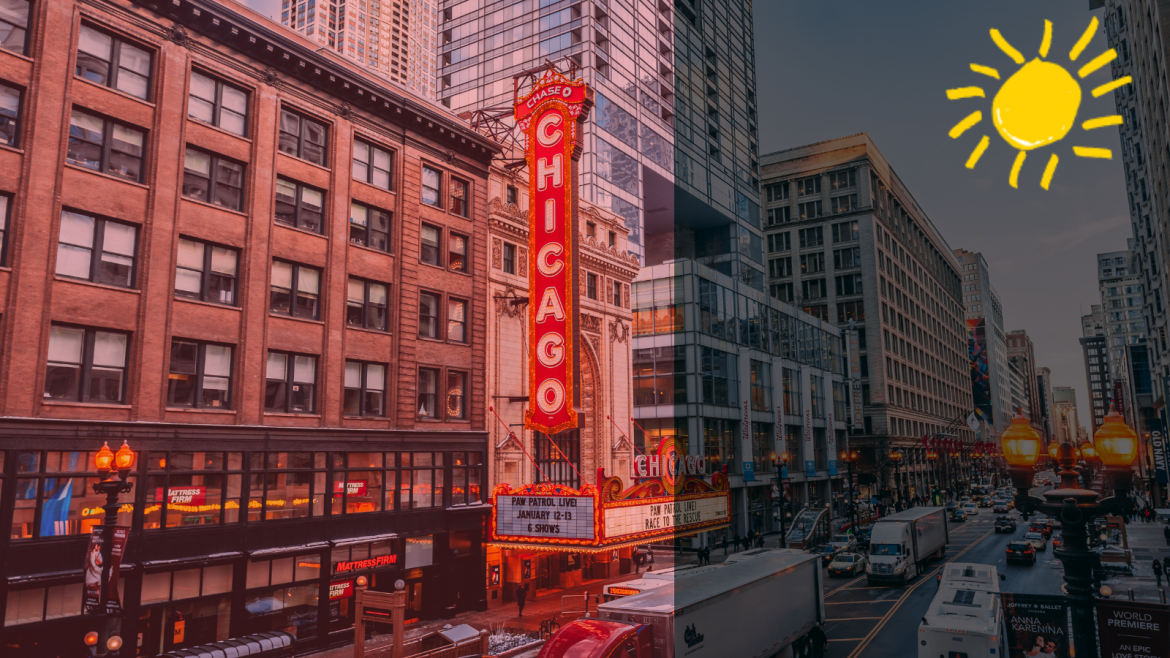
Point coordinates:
[[545, 517], [550, 117]]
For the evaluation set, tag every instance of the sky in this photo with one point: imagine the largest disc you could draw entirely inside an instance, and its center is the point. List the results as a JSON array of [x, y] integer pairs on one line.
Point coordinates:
[[829, 69]]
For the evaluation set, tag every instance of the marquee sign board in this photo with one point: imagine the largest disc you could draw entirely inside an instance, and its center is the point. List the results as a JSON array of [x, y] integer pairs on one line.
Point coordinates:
[[549, 517], [550, 117]]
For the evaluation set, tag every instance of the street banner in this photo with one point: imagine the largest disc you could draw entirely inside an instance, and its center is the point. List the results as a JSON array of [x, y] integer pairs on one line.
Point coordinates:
[[749, 472], [810, 464], [1037, 625], [1133, 630], [831, 431], [980, 370], [1161, 450], [973, 422], [857, 407], [92, 601], [1119, 397]]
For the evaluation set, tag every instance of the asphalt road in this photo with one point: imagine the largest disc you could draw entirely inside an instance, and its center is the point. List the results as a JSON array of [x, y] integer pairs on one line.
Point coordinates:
[[882, 622]]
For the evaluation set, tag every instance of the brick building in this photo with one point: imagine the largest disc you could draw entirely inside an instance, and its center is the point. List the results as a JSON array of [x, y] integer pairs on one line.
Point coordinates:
[[264, 270]]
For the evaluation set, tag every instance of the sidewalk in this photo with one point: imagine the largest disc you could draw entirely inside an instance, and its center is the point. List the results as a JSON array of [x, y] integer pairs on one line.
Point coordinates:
[[1146, 543]]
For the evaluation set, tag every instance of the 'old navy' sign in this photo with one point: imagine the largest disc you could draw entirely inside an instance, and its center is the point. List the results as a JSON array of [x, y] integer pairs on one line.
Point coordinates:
[[550, 118]]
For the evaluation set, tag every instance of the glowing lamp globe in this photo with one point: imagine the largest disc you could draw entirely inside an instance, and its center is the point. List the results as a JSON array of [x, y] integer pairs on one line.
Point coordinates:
[[105, 458], [1020, 443], [1116, 443], [1054, 450], [124, 458], [1088, 451]]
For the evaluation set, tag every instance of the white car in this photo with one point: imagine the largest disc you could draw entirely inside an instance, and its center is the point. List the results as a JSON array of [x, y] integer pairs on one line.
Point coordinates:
[[971, 509], [847, 564], [1037, 541]]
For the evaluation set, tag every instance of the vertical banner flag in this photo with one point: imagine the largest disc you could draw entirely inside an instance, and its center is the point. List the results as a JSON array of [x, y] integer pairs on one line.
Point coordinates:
[[1133, 630], [831, 431], [1037, 624], [809, 451], [858, 404], [550, 117], [92, 598], [1161, 450]]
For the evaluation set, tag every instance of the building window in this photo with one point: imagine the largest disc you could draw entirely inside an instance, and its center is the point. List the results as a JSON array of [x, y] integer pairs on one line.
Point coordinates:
[[509, 258], [846, 258], [299, 206], [813, 289], [812, 237], [847, 311], [367, 305], [428, 314], [779, 242], [820, 312], [295, 290], [4, 207], [432, 187], [302, 137], [761, 385], [718, 375], [777, 192], [369, 227], [660, 376], [808, 186], [291, 383], [719, 443], [200, 376], [842, 179], [457, 253], [591, 285], [105, 146], [9, 112], [213, 179], [58, 486], [466, 478], [206, 272], [460, 197], [512, 194], [429, 241], [810, 210], [219, 104], [96, 249], [457, 320], [845, 232], [365, 389], [14, 25], [779, 267], [420, 482], [617, 294], [812, 263], [849, 284], [456, 408], [847, 203], [86, 365], [373, 165], [781, 291], [428, 392], [558, 458], [112, 62]]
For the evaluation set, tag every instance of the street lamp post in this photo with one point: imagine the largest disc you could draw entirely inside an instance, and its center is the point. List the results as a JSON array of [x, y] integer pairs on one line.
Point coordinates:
[[850, 456], [1116, 445], [107, 462], [932, 458], [778, 462], [896, 456]]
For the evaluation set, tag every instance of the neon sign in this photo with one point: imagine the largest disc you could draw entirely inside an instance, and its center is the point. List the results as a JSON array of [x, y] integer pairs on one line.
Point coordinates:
[[362, 565], [550, 117]]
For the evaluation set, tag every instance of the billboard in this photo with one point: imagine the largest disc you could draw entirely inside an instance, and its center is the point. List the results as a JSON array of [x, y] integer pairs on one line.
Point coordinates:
[[550, 117], [1037, 624], [980, 371], [1133, 630]]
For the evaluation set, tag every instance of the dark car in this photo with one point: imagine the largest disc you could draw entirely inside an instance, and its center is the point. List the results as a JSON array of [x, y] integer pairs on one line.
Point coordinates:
[[827, 553], [1005, 524], [958, 515], [1021, 551], [862, 536], [985, 501], [952, 506], [1042, 528]]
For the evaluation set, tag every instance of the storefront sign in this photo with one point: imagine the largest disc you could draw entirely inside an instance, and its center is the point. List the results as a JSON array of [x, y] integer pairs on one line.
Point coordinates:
[[810, 464], [670, 463], [363, 565], [1119, 397], [1036, 621], [858, 406], [550, 117], [545, 516], [1133, 630], [1161, 451], [342, 590], [92, 601], [623, 591], [186, 496], [351, 487], [664, 516]]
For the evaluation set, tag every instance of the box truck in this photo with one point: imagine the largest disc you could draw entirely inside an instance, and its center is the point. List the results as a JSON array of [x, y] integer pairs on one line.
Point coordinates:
[[966, 616], [752, 608], [900, 544]]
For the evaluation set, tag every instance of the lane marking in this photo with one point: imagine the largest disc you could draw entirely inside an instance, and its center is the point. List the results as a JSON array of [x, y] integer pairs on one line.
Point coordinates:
[[852, 618], [844, 586], [925, 578], [856, 602], [847, 639]]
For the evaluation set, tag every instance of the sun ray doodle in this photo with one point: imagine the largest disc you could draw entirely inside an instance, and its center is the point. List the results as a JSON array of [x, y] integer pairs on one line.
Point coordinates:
[[985, 70], [962, 126], [1049, 170], [1047, 42], [978, 152], [1083, 42], [1006, 47], [1101, 122], [1014, 178], [965, 92], [1097, 62], [1090, 152], [1110, 86]]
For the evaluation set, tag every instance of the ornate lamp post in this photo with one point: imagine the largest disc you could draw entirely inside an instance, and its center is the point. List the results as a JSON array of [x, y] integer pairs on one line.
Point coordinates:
[[932, 459], [1075, 507], [106, 462], [850, 456], [778, 462], [896, 455]]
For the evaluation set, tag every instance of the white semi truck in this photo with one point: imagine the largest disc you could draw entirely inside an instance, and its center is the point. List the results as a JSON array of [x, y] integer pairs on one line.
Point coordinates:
[[966, 616], [900, 544]]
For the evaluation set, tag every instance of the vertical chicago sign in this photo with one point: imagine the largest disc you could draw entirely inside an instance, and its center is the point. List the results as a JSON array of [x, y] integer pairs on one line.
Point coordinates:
[[551, 116]]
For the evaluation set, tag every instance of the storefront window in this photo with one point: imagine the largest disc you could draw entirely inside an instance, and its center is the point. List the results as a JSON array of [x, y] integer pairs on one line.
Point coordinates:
[[357, 491], [43, 603], [54, 496], [193, 488], [420, 551], [421, 480], [292, 609], [467, 476], [286, 485]]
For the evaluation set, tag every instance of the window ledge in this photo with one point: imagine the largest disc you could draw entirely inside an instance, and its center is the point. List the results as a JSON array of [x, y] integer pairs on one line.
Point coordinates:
[[222, 412], [378, 332], [299, 230], [203, 303], [221, 130], [118, 92], [6, 147], [282, 414], [300, 159], [88, 405], [294, 319], [208, 204], [371, 185], [365, 248], [65, 279], [87, 170]]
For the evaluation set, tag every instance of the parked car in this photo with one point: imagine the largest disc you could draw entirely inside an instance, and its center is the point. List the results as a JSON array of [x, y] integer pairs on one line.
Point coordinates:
[[827, 552], [844, 542], [1021, 551], [847, 564], [971, 509], [1005, 524], [1037, 540], [1043, 528], [958, 515]]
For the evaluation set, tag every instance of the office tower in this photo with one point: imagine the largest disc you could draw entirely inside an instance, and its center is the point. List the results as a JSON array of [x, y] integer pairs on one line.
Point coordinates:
[[984, 317], [1064, 403], [1098, 377], [1093, 324], [1021, 352], [1044, 386], [393, 38], [847, 243]]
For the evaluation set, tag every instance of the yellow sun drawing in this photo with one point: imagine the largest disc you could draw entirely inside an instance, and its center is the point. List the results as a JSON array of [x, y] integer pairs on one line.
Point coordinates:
[[1037, 106]]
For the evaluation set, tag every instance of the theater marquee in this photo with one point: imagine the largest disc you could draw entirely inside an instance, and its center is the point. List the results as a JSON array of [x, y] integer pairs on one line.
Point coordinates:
[[550, 117]]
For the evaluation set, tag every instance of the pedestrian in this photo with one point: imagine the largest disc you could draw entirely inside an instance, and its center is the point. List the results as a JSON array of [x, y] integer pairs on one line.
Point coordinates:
[[1157, 573], [820, 643], [522, 597], [1166, 533], [725, 545], [707, 555]]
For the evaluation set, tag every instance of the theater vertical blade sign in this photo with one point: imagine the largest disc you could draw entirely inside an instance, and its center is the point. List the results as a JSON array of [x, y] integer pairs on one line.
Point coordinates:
[[551, 117]]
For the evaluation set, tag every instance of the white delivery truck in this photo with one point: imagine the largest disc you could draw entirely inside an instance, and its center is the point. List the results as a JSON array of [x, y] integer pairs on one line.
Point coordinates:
[[966, 616], [900, 544], [652, 579], [751, 608]]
